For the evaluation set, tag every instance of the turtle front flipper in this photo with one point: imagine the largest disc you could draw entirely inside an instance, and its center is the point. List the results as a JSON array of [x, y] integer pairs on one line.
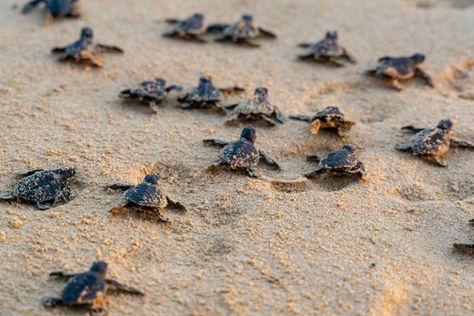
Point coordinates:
[[253, 173], [216, 28], [173, 87], [439, 161], [63, 275], [309, 56], [461, 143], [349, 57], [423, 74], [269, 161], [52, 302], [315, 173], [44, 205], [466, 248], [176, 204], [30, 6], [279, 116], [403, 147], [412, 128], [158, 214], [359, 169], [396, 84], [313, 158], [115, 285], [231, 90], [303, 118], [59, 50], [29, 173], [230, 106], [267, 120], [119, 186], [64, 196], [215, 142], [235, 120], [109, 49], [267, 33]]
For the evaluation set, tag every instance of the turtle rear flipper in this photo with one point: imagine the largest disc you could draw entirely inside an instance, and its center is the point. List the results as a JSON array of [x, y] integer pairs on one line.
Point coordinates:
[[403, 147], [44, 205], [51, 302], [7, 197], [109, 48], [176, 205], [315, 173], [279, 116], [216, 28], [30, 6], [231, 90], [29, 173]]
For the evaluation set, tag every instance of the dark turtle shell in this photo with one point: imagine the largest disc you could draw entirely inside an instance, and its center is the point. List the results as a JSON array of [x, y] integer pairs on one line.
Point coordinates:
[[148, 91], [328, 113], [258, 104], [328, 46], [146, 194], [243, 29], [240, 154], [430, 142], [84, 289], [42, 186], [56, 8], [399, 67], [342, 158], [191, 25], [205, 92]]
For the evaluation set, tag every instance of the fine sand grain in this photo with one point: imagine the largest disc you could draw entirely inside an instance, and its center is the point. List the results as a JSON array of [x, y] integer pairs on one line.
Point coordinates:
[[380, 247]]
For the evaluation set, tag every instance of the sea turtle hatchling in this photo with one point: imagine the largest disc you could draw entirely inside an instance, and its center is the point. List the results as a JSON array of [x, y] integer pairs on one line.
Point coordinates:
[[87, 289], [241, 154], [188, 29], [396, 69], [331, 118], [85, 50], [327, 50], [241, 32], [432, 144], [206, 95], [466, 248], [339, 162], [55, 8], [258, 108], [150, 92], [45, 188], [146, 196]]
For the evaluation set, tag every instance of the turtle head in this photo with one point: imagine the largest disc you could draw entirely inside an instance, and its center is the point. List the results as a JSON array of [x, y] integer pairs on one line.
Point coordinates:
[[247, 18], [203, 80], [99, 267], [152, 178], [198, 16], [66, 173], [445, 125], [87, 33], [418, 58], [249, 134], [261, 92], [331, 35], [349, 148]]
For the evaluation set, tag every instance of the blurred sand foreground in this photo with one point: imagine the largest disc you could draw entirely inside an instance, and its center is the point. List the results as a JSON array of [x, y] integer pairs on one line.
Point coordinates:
[[381, 247]]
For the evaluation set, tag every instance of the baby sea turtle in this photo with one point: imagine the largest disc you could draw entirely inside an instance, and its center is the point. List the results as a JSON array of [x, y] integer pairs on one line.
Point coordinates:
[[331, 117], [85, 50], [327, 50], [432, 144], [466, 248], [242, 32], [55, 8], [206, 95], [87, 289], [396, 69], [149, 92], [146, 196], [188, 29], [257, 108], [241, 154], [44, 188], [340, 162]]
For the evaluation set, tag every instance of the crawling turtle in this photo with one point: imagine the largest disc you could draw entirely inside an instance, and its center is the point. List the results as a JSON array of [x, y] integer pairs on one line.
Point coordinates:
[[45, 188], [149, 92], [257, 108], [327, 50], [432, 144], [146, 196], [396, 69], [188, 29], [242, 32], [331, 117], [85, 50], [466, 248], [241, 154], [340, 162], [206, 95], [87, 289], [55, 8]]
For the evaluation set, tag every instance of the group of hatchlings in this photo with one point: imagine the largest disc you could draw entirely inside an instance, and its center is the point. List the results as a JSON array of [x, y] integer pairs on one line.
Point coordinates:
[[46, 188]]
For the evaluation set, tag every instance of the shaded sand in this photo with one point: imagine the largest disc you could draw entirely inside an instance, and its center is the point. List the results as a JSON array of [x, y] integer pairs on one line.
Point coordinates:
[[383, 247]]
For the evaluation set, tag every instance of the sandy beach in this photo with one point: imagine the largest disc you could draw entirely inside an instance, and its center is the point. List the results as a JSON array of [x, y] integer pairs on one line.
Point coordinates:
[[245, 247]]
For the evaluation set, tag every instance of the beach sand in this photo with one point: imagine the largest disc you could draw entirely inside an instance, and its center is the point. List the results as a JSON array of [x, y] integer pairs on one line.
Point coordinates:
[[246, 247]]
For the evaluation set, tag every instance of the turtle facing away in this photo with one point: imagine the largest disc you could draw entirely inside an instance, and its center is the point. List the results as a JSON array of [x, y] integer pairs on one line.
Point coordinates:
[[242, 153], [149, 92], [432, 144], [85, 50], [241, 32], [188, 29], [146, 196], [45, 188], [331, 118], [396, 69], [55, 8], [466, 248], [327, 50], [257, 108], [206, 95], [87, 289], [340, 162]]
